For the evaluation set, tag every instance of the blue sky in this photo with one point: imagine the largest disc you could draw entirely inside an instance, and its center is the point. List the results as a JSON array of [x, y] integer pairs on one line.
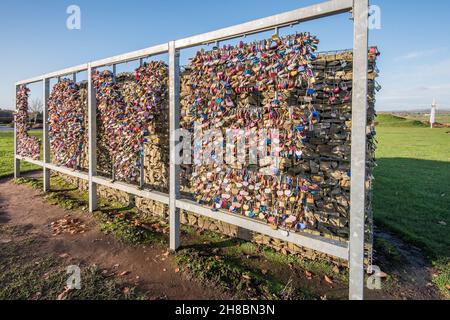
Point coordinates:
[[414, 38]]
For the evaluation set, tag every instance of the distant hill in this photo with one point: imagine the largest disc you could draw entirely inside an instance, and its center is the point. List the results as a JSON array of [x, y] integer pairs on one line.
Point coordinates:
[[390, 120], [418, 110]]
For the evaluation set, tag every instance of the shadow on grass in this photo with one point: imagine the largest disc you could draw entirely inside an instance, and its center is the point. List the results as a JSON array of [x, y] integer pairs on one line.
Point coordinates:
[[63, 190], [3, 216], [227, 243], [118, 209], [412, 198]]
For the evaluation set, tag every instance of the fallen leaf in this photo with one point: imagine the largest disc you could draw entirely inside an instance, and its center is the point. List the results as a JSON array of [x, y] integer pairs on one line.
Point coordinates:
[[116, 265], [448, 287], [328, 280], [177, 270], [64, 255], [63, 295], [36, 296], [124, 273], [246, 276], [382, 275], [308, 274]]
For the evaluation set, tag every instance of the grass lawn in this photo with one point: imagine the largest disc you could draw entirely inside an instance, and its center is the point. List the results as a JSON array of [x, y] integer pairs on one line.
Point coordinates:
[[412, 187], [7, 154]]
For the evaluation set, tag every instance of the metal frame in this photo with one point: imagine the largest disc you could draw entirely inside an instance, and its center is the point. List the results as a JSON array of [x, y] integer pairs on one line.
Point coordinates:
[[359, 148], [353, 251]]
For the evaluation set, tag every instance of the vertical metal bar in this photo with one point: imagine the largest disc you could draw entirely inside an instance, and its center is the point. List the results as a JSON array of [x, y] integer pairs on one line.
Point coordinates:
[[46, 147], [359, 147], [74, 77], [174, 124], [113, 172], [142, 169], [16, 161], [114, 71], [142, 155], [92, 116]]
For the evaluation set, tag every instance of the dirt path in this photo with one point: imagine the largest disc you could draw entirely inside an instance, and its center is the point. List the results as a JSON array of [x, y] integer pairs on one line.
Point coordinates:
[[409, 267], [149, 268]]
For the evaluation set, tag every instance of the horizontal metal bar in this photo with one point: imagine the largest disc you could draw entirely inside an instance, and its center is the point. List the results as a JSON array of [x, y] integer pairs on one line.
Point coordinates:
[[316, 11], [330, 247], [59, 73], [67, 171], [162, 48], [29, 160], [30, 81], [128, 188]]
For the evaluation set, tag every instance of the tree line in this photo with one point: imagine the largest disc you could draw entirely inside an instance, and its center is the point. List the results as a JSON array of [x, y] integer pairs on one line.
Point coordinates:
[[34, 113]]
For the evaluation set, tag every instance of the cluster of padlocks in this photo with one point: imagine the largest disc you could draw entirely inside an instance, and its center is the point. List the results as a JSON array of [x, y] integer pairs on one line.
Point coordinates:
[[126, 111], [27, 146], [249, 88], [68, 127], [309, 103]]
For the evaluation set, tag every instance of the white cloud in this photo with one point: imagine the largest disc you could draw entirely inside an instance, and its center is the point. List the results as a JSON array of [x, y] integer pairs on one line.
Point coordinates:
[[420, 54]]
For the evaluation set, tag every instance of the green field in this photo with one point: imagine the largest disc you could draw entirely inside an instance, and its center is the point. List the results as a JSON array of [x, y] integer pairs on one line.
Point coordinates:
[[7, 157], [412, 182], [412, 187]]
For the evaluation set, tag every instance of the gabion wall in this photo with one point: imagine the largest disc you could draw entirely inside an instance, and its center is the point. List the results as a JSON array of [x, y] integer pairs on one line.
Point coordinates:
[[308, 95], [27, 146]]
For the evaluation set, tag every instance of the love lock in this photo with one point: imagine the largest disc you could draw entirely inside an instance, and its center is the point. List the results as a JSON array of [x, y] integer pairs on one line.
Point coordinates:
[[27, 146]]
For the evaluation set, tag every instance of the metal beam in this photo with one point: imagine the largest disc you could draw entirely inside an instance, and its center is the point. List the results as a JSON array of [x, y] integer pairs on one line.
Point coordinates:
[[319, 244], [92, 116], [29, 160], [46, 142], [174, 124], [359, 149], [135, 55], [316, 11], [16, 160], [67, 171], [55, 74], [128, 188]]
